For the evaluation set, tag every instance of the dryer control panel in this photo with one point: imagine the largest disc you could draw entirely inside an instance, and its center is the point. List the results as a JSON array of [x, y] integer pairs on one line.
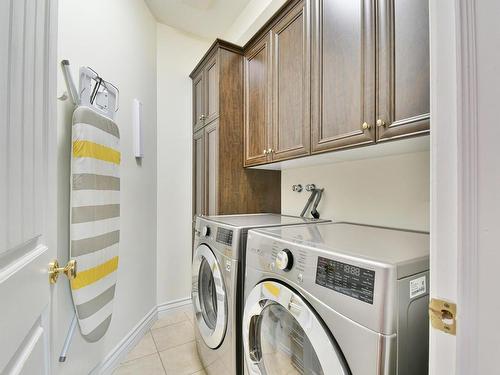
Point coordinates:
[[353, 281], [224, 236]]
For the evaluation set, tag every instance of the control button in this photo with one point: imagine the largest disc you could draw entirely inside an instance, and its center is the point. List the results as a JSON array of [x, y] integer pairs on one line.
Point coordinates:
[[284, 260], [300, 278], [205, 231]]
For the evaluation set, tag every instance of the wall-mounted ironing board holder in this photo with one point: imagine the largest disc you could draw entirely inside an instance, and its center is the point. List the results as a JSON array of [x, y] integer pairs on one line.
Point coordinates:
[[93, 92], [98, 94]]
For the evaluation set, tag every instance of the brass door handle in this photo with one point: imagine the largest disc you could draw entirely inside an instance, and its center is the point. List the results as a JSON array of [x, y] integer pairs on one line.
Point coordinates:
[[265, 152], [380, 123], [365, 126], [54, 270]]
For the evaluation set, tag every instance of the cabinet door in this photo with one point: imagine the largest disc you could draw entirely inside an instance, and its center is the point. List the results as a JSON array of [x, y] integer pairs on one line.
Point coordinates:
[[404, 78], [198, 101], [291, 125], [211, 77], [211, 167], [343, 74], [199, 173], [257, 103]]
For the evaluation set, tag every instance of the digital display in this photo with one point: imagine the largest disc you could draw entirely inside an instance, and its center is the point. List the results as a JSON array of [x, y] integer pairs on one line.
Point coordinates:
[[224, 236], [355, 282]]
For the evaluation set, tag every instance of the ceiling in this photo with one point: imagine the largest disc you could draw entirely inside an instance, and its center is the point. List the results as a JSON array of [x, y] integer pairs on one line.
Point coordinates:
[[206, 18]]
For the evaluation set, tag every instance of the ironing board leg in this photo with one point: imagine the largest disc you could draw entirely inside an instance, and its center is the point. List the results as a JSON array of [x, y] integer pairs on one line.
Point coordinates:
[[67, 342]]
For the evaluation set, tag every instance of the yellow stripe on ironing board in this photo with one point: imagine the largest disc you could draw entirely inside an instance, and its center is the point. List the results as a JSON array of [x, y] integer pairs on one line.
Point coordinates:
[[87, 149], [94, 274]]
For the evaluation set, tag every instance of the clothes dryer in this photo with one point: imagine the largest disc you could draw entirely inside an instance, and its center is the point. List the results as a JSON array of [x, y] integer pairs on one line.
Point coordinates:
[[336, 299]]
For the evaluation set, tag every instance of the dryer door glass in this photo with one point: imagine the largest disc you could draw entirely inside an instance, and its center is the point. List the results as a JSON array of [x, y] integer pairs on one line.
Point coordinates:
[[208, 294], [282, 334], [286, 348]]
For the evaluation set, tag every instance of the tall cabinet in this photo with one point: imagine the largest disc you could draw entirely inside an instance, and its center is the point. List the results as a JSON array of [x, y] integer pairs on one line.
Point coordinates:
[[220, 183]]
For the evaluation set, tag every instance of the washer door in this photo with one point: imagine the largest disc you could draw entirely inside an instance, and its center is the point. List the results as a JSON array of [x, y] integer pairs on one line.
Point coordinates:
[[209, 297], [283, 335]]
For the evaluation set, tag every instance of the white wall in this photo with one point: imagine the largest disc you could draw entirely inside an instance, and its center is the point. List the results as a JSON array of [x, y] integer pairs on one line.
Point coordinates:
[[177, 54], [118, 39], [251, 19], [388, 191]]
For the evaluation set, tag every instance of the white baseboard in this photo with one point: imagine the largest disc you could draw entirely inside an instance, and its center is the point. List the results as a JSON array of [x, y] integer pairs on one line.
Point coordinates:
[[171, 306], [120, 351]]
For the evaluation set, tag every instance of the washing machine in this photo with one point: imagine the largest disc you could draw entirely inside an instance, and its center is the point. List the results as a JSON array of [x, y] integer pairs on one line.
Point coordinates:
[[217, 285], [336, 299]]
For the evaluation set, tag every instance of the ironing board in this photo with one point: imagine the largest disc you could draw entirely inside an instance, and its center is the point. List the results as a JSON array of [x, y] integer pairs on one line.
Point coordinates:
[[95, 218]]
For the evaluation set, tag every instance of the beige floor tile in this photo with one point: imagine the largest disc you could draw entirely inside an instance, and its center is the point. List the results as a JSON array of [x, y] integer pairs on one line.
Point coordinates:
[[202, 372], [173, 335], [216, 368], [172, 318], [188, 310], [145, 347], [181, 360], [149, 365]]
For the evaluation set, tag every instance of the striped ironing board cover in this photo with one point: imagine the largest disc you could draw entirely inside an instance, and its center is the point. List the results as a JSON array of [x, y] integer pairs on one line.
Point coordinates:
[[95, 219]]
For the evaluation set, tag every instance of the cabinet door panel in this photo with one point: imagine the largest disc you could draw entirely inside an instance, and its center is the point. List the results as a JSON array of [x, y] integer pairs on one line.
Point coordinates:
[[211, 167], [212, 90], [343, 74], [198, 101], [257, 108], [199, 173], [404, 78], [291, 85]]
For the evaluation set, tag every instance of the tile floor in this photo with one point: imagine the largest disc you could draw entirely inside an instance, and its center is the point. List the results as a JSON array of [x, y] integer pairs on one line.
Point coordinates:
[[167, 349]]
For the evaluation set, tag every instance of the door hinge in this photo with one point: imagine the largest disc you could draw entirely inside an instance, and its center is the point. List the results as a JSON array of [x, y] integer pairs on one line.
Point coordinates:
[[443, 316]]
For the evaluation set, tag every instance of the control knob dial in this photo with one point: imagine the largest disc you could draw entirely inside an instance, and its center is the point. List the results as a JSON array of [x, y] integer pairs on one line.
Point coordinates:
[[284, 260], [205, 232]]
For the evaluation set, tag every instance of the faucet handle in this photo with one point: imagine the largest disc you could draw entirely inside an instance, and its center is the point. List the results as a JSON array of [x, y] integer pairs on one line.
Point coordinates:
[[310, 187]]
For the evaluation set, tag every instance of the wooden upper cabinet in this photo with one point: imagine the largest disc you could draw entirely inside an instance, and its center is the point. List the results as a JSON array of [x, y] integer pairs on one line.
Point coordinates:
[[343, 74], [404, 79], [211, 77], [257, 88], [291, 84], [198, 101]]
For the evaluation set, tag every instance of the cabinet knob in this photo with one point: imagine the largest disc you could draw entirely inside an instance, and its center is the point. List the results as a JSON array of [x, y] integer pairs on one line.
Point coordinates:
[[380, 123], [365, 126], [265, 152], [270, 151], [202, 117]]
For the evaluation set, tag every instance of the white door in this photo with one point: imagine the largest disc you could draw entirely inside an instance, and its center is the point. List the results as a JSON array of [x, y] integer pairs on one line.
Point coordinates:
[[27, 176]]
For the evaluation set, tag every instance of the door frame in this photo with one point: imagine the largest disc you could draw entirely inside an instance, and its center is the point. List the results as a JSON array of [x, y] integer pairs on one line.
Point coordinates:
[[455, 166]]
